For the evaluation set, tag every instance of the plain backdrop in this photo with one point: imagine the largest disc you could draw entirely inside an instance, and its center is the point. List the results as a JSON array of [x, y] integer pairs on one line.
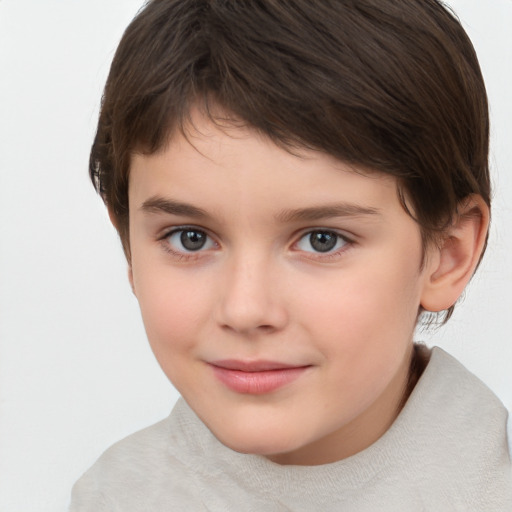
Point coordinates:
[[76, 372]]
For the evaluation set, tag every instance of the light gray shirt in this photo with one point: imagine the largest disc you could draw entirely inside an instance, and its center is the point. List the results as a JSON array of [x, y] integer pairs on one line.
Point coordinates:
[[446, 451]]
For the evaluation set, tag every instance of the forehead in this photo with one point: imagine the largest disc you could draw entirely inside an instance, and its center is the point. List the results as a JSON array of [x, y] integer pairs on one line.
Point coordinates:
[[232, 170]]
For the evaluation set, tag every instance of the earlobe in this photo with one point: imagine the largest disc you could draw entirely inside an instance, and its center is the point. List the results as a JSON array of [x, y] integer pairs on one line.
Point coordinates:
[[451, 265]]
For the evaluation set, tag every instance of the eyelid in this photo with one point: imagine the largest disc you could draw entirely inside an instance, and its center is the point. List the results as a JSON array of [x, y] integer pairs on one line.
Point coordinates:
[[348, 237], [163, 239], [349, 241], [166, 232]]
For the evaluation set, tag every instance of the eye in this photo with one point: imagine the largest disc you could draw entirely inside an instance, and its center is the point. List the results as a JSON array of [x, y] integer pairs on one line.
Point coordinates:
[[322, 241], [189, 240]]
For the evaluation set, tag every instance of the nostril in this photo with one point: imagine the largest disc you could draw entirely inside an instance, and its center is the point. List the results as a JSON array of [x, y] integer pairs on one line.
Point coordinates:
[[264, 329]]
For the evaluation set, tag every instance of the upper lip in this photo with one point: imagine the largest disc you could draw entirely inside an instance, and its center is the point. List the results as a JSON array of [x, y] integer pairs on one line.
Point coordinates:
[[254, 366]]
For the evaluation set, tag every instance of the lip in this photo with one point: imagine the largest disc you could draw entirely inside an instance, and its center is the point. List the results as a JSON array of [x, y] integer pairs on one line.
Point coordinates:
[[256, 377]]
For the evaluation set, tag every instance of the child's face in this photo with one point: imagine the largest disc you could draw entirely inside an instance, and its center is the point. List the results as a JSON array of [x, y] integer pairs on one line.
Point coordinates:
[[279, 293]]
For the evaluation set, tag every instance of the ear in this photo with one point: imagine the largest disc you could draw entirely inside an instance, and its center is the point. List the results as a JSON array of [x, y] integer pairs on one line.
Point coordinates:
[[451, 264]]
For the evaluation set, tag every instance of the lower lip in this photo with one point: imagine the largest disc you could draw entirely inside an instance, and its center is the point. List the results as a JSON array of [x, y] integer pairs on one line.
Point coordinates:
[[257, 383]]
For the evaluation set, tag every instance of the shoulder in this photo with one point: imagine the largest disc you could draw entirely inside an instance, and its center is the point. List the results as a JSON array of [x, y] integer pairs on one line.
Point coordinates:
[[462, 427], [450, 395], [138, 473], [115, 473], [451, 385], [509, 429]]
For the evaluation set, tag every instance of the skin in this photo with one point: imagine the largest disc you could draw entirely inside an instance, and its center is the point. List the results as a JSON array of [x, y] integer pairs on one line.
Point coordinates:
[[258, 290]]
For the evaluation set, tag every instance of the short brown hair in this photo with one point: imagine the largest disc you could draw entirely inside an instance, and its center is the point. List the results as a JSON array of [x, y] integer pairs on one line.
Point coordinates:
[[387, 85]]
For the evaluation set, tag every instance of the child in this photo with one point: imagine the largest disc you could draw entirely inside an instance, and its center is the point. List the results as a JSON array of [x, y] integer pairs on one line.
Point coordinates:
[[295, 184]]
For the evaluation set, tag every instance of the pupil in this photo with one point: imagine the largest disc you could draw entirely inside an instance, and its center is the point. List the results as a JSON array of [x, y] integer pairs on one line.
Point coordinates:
[[193, 240], [323, 241]]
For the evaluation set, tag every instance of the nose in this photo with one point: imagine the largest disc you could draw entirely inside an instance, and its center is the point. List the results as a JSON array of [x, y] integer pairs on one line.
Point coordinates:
[[252, 299]]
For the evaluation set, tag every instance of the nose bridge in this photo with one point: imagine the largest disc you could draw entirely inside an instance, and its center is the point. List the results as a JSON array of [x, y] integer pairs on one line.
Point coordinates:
[[251, 297]]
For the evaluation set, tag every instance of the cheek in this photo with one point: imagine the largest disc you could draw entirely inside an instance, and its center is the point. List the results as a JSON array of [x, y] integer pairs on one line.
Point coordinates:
[[172, 306], [364, 318], [354, 303], [360, 329]]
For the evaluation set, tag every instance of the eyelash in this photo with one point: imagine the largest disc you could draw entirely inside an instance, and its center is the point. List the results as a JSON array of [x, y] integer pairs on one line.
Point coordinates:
[[184, 254], [191, 255], [330, 254]]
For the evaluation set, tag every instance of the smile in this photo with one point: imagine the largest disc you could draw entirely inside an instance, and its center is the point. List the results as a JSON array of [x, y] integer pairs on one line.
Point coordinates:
[[256, 378]]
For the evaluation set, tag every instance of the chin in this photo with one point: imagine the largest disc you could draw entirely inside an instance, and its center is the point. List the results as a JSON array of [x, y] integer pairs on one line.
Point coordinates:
[[254, 441]]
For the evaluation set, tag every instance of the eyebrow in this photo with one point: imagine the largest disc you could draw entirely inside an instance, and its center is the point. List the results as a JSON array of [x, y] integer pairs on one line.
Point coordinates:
[[160, 205], [326, 211]]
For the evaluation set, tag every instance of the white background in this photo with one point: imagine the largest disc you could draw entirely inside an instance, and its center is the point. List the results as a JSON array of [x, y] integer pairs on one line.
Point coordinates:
[[76, 373]]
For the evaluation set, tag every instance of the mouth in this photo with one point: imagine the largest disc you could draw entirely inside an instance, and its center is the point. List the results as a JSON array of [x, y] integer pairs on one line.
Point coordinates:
[[256, 377]]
